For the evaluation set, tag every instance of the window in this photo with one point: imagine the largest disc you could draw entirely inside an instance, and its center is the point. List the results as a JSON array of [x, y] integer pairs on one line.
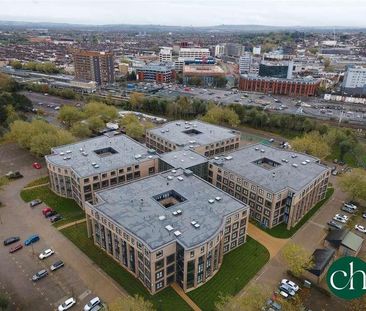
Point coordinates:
[[241, 232], [129, 169], [137, 167], [170, 259], [86, 180], [104, 175], [159, 274], [120, 171], [269, 196], [159, 285], [192, 254], [228, 220], [235, 225], [234, 235], [159, 254], [170, 269], [159, 264], [202, 249]]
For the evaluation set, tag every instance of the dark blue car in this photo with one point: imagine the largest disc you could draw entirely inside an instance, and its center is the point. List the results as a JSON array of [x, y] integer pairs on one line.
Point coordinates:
[[31, 239]]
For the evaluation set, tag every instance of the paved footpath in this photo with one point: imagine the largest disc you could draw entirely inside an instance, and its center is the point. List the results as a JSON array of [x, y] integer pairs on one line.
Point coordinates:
[[185, 297]]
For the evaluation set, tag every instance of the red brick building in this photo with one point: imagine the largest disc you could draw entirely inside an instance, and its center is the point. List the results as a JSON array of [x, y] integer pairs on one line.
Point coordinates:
[[279, 86]]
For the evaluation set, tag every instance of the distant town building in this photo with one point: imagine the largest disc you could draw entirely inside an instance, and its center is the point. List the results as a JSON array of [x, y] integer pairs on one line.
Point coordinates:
[[206, 73], [219, 50], [282, 70], [256, 50], [166, 55], [192, 53], [160, 73], [294, 87], [233, 49], [354, 81], [94, 66], [245, 63], [170, 227], [179, 64]]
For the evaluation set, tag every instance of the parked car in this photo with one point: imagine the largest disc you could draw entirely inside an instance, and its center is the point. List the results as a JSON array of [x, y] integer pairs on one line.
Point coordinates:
[[13, 175], [67, 304], [273, 305], [39, 275], [35, 202], [348, 209], [339, 219], [46, 253], [57, 265], [284, 294], [15, 248], [92, 303], [36, 165], [360, 228], [50, 214], [345, 217], [55, 218], [31, 239], [335, 224], [364, 215], [287, 289], [11, 240], [350, 205], [46, 210], [291, 284]]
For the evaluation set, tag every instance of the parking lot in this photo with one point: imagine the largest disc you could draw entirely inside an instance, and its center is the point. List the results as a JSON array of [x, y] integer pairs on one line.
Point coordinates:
[[79, 277]]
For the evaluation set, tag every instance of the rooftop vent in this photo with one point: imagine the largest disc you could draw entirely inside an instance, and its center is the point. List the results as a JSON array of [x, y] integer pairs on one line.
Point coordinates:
[[256, 148], [274, 174], [96, 166], [177, 124], [304, 163], [216, 158], [192, 141], [162, 217], [192, 158], [62, 153], [175, 213], [194, 125], [187, 127], [94, 163], [151, 151], [173, 171], [211, 201], [294, 156], [68, 151], [283, 160], [307, 161], [162, 131], [193, 222], [84, 153], [169, 228], [150, 156], [294, 165], [81, 149], [188, 172], [262, 150], [229, 158], [137, 156], [180, 178], [197, 225], [179, 211], [218, 198], [170, 177], [177, 233], [167, 130], [67, 158]]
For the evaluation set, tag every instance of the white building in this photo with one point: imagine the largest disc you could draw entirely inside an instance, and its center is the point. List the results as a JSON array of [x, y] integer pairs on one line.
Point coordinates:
[[355, 77], [256, 50], [192, 53], [245, 63], [166, 55], [219, 50], [179, 64]]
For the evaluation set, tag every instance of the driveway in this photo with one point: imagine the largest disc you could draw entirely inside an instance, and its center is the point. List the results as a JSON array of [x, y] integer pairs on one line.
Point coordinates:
[[80, 276]]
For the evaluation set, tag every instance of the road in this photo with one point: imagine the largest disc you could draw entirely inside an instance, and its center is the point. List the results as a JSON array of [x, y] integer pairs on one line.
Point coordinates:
[[80, 277]]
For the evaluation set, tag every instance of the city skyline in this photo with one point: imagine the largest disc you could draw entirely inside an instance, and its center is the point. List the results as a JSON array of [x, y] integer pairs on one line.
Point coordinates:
[[189, 13]]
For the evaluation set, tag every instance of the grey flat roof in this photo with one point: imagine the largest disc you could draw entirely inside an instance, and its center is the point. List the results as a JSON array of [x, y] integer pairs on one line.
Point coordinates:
[[127, 154], [123, 205], [277, 178], [174, 132], [183, 158]]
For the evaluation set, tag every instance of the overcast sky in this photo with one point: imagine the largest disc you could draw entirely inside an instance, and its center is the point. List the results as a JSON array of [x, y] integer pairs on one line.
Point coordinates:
[[189, 12]]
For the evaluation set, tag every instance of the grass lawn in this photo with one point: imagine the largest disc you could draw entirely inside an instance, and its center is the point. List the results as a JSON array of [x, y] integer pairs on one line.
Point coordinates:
[[281, 232], [238, 268], [168, 299], [68, 208], [39, 181]]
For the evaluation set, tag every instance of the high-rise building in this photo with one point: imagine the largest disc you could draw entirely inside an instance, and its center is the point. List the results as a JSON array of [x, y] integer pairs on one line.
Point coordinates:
[[161, 73], [233, 49], [256, 50], [276, 69], [244, 63], [94, 66], [192, 53], [165, 55]]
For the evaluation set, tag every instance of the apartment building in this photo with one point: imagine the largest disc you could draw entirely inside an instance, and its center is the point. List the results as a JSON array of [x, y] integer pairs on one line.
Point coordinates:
[[170, 227], [206, 139], [94, 66], [160, 73], [207, 74], [280, 186], [78, 170], [354, 81], [166, 55], [245, 62]]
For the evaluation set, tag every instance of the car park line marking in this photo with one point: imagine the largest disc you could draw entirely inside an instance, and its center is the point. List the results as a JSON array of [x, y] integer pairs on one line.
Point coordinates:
[[84, 294]]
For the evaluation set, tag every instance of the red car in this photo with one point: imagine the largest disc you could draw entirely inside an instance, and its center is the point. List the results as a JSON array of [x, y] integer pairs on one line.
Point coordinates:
[[46, 210], [37, 166], [15, 248]]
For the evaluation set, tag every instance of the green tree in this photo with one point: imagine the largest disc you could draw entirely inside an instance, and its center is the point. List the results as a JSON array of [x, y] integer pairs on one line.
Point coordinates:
[[354, 183], [135, 130], [219, 115], [81, 130], [252, 300], [4, 302], [136, 100], [312, 143], [16, 64], [7, 84], [70, 115], [95, 123], [136, 303], [11, 115], [220, 81], [98, 109], [297, 258], [128, 118]]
